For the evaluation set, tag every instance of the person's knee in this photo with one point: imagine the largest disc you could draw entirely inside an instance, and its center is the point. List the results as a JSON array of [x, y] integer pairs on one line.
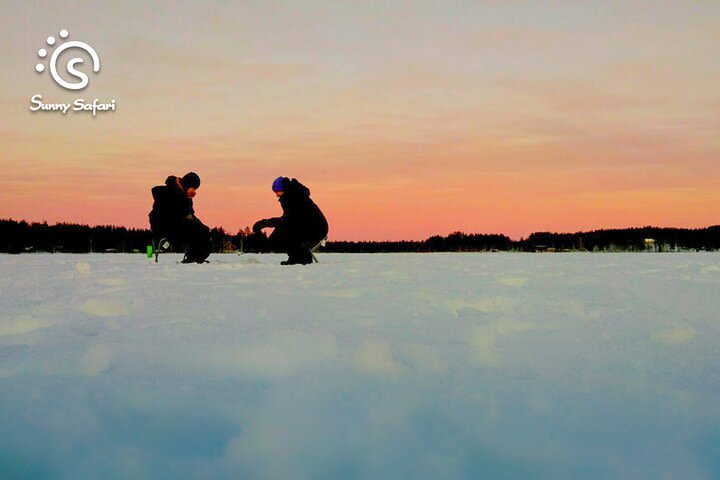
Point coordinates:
[[195, 229]]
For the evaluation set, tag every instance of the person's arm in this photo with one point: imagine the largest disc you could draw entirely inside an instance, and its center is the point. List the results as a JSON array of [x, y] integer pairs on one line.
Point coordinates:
[[273, 222], [267, 223]]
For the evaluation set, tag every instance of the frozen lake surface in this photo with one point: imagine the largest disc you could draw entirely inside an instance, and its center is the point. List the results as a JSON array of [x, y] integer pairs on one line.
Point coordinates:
[[435, 366]]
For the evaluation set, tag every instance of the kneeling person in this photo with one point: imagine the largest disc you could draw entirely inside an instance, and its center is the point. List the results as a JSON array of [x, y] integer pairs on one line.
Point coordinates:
[[173, 217], [301, 226]]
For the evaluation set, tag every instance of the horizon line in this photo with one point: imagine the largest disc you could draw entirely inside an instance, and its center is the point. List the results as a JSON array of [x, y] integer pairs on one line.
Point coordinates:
[[577, 232]]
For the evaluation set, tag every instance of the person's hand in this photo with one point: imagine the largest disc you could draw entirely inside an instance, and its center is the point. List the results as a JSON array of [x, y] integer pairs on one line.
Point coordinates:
[[259, 225]]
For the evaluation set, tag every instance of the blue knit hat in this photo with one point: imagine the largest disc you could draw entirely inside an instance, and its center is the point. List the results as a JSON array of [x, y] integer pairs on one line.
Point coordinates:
[[277, 185]]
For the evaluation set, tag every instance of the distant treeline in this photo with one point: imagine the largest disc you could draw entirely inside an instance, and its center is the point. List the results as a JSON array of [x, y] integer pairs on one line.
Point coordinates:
[[21, 236], [455, 242]]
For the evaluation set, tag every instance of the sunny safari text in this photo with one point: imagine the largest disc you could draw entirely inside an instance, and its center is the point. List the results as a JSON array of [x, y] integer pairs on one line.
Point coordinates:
[[79, 105]]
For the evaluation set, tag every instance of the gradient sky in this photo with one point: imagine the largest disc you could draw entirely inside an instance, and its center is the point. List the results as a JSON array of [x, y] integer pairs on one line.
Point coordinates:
[[405, 119]]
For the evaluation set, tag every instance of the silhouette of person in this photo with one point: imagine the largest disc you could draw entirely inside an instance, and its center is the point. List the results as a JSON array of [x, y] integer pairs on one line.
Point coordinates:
[[301, 226], [173, 217]]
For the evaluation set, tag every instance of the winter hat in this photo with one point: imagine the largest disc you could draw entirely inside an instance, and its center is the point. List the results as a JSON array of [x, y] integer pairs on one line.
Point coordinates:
[[277, 185], [190, 180]]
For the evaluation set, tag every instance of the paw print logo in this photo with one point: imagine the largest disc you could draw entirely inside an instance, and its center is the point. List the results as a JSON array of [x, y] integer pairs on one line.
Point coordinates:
[[70, 66]]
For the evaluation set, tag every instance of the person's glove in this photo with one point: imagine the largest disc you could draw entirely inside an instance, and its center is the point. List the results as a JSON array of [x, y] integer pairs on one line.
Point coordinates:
[[259, 225]]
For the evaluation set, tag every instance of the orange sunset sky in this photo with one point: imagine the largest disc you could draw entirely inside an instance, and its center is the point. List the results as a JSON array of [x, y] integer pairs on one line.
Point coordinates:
[[405, 119]]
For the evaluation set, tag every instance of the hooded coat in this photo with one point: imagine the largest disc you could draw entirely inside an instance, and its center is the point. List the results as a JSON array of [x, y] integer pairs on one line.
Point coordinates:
[[171, 208]]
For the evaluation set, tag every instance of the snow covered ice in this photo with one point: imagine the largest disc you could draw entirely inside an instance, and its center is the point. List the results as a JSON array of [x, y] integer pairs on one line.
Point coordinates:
[[363, 366]]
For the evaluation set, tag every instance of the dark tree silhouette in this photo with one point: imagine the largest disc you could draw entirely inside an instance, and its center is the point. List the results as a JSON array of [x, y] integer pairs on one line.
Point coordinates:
[[21, 236]]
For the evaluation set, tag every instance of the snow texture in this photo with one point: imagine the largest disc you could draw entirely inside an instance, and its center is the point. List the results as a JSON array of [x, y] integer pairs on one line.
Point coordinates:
[[361, 367]]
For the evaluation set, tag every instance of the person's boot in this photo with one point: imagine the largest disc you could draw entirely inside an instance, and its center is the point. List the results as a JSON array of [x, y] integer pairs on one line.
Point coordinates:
[[292, 260], [305, 256], [300, 256]]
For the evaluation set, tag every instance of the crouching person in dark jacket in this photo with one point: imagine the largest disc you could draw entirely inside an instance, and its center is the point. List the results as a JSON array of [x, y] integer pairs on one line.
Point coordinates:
[[173, 217], [301, 226]]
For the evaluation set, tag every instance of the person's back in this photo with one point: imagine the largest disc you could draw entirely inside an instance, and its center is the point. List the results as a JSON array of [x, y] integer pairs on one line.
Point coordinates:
[[300, 212]]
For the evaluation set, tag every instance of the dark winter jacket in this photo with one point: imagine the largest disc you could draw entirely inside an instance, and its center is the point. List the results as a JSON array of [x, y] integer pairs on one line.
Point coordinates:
[[300, 214], [171, 208]]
